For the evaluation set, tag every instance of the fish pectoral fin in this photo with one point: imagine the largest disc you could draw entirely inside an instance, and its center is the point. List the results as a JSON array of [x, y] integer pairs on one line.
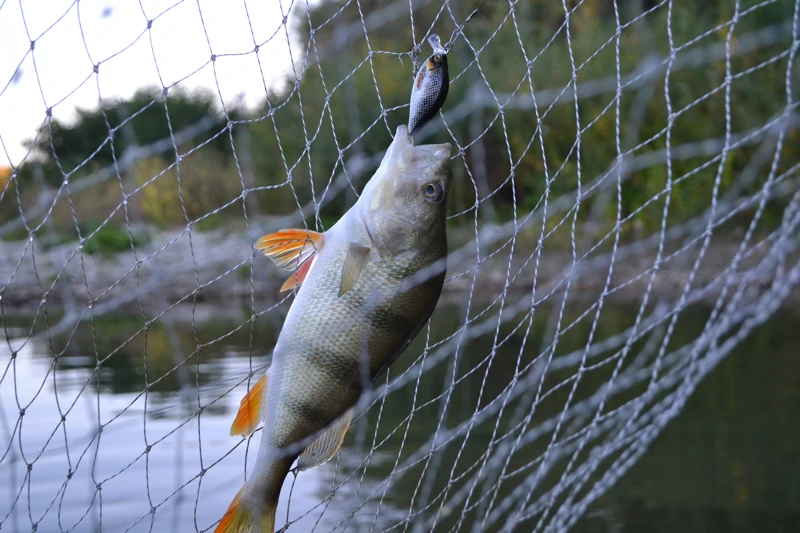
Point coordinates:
[[296, 279], [321, 450], [290, 248], [352, 266], [251, 409]]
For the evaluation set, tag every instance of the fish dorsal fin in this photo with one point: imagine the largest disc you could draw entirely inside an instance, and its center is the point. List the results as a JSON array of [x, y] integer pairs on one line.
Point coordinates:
[[251, 409], [353, 264], [290, 248], [321, 450]]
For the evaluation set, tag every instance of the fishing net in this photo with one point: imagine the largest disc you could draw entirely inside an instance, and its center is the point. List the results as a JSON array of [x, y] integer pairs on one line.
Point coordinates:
[[625, 213]]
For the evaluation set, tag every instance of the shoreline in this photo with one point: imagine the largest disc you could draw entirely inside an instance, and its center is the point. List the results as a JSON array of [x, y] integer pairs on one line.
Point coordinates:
[[170, 269]]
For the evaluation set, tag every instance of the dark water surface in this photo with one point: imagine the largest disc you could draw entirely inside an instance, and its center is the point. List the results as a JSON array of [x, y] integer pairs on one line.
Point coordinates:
[[729, 463]]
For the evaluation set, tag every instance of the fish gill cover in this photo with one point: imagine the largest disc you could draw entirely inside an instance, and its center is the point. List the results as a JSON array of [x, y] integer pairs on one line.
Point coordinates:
[[622, 221]]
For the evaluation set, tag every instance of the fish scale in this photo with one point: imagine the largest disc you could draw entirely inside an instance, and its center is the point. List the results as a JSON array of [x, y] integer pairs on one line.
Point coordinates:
[[349, 325]]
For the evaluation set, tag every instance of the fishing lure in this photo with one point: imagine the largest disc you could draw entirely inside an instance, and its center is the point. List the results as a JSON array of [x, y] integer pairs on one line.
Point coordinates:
[[430, 87]]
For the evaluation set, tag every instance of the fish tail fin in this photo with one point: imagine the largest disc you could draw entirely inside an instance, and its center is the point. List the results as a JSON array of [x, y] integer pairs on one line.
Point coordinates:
[[241, 518]]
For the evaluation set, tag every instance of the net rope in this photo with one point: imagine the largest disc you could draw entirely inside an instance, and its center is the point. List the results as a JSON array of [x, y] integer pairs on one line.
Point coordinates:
[[523, 408]]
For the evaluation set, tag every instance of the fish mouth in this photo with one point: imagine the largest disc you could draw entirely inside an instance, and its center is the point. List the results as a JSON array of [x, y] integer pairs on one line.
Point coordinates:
[[402, 138]]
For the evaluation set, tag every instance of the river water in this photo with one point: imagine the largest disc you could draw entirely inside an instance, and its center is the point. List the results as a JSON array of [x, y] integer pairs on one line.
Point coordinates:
[[729, 463]]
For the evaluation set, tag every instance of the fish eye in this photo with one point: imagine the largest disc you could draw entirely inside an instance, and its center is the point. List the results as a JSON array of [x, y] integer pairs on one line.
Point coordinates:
[[433, 191], [437, 57]]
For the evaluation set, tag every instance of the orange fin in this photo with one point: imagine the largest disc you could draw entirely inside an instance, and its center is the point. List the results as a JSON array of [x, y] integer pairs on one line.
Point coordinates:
[[250, 410], [290, 248], [239, 519], [296, 279]]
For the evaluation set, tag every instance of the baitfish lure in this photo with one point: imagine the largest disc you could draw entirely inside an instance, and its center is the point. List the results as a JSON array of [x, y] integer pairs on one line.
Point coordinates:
[[430, 87]]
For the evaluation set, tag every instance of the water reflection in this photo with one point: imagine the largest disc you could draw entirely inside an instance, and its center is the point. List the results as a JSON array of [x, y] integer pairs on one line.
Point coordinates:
[[164, 396]]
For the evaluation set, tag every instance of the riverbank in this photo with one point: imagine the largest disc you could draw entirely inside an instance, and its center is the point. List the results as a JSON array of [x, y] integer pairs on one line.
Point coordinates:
[[219, 266]]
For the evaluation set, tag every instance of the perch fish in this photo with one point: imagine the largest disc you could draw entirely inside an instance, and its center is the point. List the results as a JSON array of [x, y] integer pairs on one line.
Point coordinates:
[[430, 87], [366, 288]]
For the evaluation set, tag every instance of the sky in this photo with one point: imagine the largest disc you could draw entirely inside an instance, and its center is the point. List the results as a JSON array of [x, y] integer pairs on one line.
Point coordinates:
[[70, 37]]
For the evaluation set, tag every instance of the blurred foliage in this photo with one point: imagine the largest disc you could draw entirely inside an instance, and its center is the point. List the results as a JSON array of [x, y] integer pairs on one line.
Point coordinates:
[[5, 174], [341, 89], [99, 136], [111, 238], [206, 183], [298, 142]]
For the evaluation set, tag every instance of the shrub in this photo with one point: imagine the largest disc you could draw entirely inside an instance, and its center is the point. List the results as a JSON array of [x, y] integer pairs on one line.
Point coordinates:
[[206, 184], [112, 239]]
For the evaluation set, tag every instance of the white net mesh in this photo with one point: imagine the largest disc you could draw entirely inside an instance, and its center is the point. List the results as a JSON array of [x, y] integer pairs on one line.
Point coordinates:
[[625, 213]]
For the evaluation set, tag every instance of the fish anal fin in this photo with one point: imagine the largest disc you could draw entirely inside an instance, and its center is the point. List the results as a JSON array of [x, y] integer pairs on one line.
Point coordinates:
[[239, 518], [356, 255], [326, 445], [296, 279], [289, 248], [251, 409]]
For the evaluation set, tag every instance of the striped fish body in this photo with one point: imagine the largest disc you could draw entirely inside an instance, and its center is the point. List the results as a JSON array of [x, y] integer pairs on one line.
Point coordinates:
[[331, 348], [342, 330]]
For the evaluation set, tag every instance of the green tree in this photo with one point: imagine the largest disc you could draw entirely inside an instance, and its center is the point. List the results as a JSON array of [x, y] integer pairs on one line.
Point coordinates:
[[98, 135]]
